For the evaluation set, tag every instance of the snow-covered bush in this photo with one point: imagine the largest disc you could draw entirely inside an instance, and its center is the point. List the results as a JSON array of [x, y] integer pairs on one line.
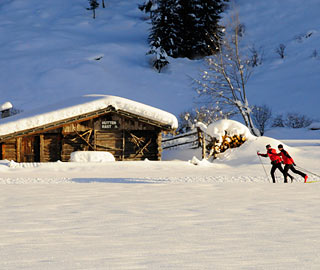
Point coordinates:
[[278, 121], [296, 120], [292, 120]]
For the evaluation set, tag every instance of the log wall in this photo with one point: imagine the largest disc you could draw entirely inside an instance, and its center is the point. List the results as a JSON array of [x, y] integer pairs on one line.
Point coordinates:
[[126, 138]]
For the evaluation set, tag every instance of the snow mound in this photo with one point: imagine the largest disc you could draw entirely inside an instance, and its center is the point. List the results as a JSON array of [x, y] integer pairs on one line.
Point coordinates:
[[203, 162], [315, 126], [201, 126], [91, 156], [6, 106], [246, 154], [231, 127]]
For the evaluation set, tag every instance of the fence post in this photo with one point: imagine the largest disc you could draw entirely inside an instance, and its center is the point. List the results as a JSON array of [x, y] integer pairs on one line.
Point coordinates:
[[202, 142]]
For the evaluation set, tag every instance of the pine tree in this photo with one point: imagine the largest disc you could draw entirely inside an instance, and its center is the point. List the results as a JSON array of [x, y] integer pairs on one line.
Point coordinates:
[[163, 37], [93, 5], [208, 32], [186, 28]]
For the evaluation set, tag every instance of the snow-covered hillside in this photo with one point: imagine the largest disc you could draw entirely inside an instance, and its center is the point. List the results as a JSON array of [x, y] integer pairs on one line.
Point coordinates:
[[52, 50], [290, 84]]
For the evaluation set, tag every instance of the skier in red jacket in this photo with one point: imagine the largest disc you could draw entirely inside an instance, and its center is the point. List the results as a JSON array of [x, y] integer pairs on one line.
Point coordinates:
[[275, 161], [289, 164]]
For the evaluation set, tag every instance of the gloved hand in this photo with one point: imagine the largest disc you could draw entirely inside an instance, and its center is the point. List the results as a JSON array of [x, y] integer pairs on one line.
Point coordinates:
[[258, 153], [294, 164]]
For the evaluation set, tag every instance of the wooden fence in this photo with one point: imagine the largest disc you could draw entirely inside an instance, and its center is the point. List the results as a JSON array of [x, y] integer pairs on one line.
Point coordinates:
[[210, 146]]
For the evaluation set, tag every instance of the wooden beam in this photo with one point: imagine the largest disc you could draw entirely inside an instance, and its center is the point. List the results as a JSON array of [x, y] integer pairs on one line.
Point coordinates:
[[42, 142], [18, 149], [123, 143], [82, 137], [143, 148]]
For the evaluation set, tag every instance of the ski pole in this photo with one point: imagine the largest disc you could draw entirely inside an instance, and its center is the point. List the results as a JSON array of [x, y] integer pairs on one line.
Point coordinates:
[[264, 168], [308, 171]]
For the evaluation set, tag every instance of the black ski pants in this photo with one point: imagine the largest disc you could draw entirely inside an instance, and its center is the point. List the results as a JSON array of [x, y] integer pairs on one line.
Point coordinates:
[[288, 167], [273, 169], [279, 167]]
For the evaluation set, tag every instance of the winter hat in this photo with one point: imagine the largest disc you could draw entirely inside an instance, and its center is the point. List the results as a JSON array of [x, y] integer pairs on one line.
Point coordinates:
[[268, 146], [280, 146]]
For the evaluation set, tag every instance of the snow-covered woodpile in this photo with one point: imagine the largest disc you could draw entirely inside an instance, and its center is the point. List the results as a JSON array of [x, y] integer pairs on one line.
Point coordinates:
[[224, 135]]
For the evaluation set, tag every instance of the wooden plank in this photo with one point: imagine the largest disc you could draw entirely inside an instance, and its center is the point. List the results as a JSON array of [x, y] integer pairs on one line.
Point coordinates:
[[42, 146], [109, 134], [9, 151], [3, 150], [18, 147]]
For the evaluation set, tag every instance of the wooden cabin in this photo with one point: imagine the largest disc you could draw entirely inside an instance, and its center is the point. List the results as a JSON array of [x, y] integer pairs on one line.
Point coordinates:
[[126, 134]]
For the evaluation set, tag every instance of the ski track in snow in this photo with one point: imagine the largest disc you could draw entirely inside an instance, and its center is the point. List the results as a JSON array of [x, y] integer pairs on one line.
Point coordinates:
[[142, 180]]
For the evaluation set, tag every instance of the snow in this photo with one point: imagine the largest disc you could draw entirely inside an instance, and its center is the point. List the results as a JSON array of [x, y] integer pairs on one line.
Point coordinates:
[[81, 105], [169, 214], [6, 106], [201, 126], [91, 156], [314, 125], [219, 128], [183, 213], [50, 54], [289, 84]]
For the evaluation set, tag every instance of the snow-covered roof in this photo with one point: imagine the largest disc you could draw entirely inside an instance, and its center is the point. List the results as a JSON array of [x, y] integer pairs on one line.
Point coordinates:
[[82, 105], [6, 106]]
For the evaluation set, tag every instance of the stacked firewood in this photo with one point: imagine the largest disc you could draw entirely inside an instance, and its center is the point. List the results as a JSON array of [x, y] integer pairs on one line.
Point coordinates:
[[216, 146]]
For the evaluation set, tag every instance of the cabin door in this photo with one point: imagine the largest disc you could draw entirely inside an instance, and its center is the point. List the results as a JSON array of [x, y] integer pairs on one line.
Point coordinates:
[[30, 149]]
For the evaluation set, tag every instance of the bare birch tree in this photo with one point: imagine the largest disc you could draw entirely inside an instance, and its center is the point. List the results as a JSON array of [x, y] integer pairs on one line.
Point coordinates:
[[227, 72]]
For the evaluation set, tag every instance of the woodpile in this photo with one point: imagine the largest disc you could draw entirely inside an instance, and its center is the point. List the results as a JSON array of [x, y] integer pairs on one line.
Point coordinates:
[[216, 147]]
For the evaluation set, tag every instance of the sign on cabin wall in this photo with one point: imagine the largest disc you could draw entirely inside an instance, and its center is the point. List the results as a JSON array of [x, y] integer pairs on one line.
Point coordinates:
[[109, 124]]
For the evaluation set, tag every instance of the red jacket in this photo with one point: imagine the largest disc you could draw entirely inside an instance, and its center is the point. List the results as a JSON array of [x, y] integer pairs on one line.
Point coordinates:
[[287, 159], [272, 153]]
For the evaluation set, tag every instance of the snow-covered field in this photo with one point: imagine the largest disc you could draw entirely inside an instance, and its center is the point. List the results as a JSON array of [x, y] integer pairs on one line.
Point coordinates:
[[167, 214], [159, 226]]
